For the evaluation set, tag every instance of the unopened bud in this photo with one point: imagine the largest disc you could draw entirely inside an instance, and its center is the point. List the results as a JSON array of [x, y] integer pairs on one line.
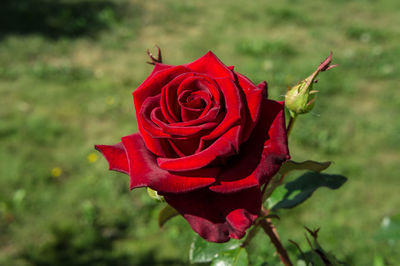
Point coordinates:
[[300, 99]]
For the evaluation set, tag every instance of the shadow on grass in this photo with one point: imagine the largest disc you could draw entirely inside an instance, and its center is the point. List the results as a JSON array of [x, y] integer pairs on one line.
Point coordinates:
[[56, 18]]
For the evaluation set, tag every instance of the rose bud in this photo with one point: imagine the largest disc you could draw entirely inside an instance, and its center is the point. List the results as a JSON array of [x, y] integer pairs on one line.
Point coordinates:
[[208, 140], [300, 99]]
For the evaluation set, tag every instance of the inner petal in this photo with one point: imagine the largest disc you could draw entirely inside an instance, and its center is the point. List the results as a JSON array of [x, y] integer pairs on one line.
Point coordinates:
[[201, 83], [194, 104], [169, 93]]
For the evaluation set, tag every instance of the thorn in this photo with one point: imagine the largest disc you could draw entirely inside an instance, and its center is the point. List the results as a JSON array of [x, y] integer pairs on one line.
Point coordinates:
[[313, 233]]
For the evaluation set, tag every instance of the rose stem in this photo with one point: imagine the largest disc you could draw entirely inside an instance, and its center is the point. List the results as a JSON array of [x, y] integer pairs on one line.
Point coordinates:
[[291, 123], [270, 230]]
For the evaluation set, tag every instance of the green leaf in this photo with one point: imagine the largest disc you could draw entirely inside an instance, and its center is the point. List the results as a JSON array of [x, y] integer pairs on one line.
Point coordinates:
[[277, 195], [390, 229], [297, 191], [306, 165], [234, 257], [166, 214], [202, 251]]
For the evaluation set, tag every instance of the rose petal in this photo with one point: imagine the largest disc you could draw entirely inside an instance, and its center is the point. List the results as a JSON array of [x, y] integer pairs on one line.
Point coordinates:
[[254, 96], [169, 105], [151, 87], [264, 87], [276, 149], [151, 128], [194, 104], [159, 67], [153, 135], [187, 81], [154, 83], [212, 115], [234, 113], [211, 65], [201, 82], [144, 171], [177, 130], [261, 156], [184, 147], [218, 217], [116, 157], [224, 146]]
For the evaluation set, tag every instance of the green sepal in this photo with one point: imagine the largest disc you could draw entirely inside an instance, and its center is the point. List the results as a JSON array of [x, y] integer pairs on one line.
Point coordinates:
[[154, 195], [166, 214]]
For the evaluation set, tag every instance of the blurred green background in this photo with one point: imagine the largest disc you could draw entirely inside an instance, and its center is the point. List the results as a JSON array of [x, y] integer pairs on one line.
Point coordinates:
[[67, 70]]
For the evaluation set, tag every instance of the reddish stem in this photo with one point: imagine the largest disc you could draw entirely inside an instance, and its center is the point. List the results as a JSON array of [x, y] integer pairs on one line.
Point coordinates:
[[270, 230]]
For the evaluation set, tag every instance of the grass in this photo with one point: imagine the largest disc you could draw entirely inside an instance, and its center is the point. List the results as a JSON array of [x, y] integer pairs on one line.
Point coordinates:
[[63, 93]]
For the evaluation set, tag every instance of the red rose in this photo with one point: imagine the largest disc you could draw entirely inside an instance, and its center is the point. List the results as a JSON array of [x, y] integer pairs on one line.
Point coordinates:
[[208, 139]]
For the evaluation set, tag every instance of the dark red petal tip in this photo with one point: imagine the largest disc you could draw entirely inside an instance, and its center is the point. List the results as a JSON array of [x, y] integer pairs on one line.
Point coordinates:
[[116, 157], [144, 170]]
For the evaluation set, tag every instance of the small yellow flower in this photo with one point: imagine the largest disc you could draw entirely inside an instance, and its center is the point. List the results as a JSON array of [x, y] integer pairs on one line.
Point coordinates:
[[92, 157], [56, 172], [110, 100]]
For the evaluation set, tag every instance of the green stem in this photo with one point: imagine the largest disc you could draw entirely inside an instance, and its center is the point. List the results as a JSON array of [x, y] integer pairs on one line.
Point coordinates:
[[291, 123]]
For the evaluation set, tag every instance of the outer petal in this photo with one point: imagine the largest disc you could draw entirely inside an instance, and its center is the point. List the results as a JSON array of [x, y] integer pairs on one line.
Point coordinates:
[[254, 95], [116, 157], [218, 217], [144, 171], [276, 149], [261, 156], [264, 87], [159, 67], [211, 65]]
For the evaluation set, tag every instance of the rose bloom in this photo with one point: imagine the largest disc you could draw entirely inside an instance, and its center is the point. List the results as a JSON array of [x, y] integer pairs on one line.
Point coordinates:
[[208, 140]]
